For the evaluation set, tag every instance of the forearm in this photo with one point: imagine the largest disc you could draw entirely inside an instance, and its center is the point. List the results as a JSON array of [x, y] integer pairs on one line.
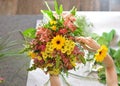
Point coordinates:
[[111, 75]]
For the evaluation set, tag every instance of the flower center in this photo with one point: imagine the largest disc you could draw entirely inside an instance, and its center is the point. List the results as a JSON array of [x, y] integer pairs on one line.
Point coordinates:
[[58, 42], [100, 52]]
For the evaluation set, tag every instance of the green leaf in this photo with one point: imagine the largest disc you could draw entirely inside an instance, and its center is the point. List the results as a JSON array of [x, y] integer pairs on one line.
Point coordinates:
[[112, 52], [109, 36], [82, 26], [56, 7], [48, 14], [118, 43], [117, 54], [94, 36], [57, 61], [33, 67], [61, 9], [102, 41], [47, 6], [82, 59], [73, 11], [101, 75], [30, 33]]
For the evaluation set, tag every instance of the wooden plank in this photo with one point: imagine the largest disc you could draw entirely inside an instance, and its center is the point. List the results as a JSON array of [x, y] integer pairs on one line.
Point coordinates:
[[30, 6], [8, 7], [86, 5]]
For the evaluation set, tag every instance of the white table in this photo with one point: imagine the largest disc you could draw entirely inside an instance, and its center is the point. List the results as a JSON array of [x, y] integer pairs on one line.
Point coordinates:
[[103, 21]]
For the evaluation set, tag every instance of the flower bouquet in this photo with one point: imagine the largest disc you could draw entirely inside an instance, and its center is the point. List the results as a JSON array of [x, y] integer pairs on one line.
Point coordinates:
[[52, 45]]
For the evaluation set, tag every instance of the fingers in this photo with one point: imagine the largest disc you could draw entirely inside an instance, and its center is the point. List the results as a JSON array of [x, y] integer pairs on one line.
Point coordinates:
[[84, 40], [88, 42]]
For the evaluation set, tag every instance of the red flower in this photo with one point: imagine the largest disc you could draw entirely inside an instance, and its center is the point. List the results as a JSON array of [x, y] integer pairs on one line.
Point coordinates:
[[42, 47]]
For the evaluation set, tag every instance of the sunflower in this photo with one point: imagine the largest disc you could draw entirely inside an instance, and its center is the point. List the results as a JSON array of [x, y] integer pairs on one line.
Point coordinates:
[[101, 53], [58, 42]]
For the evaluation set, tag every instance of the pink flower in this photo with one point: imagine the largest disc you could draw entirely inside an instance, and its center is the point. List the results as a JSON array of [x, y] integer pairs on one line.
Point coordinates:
[[69, 21], [63, 31], [43, 34], [70, 25]]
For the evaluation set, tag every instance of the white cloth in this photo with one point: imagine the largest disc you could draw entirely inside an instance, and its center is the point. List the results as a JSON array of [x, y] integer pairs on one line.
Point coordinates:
[[102, 21]]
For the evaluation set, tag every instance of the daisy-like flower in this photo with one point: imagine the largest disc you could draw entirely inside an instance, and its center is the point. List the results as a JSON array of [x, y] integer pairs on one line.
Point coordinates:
[[58, 42], [44, 55], [55, 71], [54, 27], [53, 22], [101, 53], [32, 54]]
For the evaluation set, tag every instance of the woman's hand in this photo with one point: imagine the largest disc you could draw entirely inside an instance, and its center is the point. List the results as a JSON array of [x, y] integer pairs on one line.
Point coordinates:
[[88, 43]]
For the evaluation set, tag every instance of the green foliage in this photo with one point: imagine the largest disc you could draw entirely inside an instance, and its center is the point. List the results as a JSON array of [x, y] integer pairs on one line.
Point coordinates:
[[82, 59], [118, 43], [73, 11], [7, 44], [82, 25], [33, 67], [101, 74], [116, 54], [102, 40], [29, 33], [58, 9], [48, 14]]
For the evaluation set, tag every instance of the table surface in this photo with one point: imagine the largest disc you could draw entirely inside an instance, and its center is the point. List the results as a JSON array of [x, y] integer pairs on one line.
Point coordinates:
[[103, 21]]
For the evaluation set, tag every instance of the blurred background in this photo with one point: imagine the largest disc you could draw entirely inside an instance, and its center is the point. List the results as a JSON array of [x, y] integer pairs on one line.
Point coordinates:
[[16, 7], [13, 68]]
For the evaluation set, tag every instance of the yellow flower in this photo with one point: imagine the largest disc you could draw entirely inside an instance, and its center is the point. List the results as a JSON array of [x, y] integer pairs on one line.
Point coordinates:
[[58, 42], [68, 52], [54, 27], [101, 53], [52, 22], [69, 45], [44, 55], [63, 50], [55, 71], [32, 54], [49, 65], [39, 58], [73, 63]]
